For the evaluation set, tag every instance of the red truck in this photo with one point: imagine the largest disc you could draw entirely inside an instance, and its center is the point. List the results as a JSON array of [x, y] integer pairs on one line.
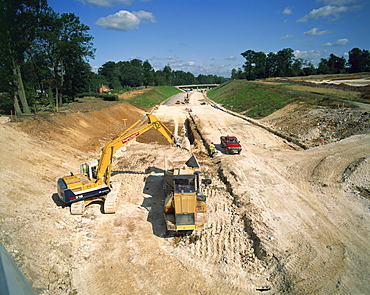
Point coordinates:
[[231, 144]]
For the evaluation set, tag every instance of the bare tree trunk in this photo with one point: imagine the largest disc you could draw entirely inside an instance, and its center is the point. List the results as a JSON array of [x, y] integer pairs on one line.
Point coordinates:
[[56, 97], [17, 108], [61, 81], [20, 88]]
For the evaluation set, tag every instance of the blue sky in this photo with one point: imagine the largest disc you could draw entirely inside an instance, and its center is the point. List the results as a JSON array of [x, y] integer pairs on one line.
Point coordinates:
[[208, 36]]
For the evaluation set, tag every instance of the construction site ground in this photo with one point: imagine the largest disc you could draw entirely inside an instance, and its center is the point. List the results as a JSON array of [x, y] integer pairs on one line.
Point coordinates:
[[281, 219]]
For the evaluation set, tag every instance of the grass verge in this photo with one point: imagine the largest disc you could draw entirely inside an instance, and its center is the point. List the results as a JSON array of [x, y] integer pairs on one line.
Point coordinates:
[[153, 97], [258, 100]]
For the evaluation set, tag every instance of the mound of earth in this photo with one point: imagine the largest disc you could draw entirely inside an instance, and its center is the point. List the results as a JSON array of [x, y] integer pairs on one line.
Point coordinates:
[[315, 126]]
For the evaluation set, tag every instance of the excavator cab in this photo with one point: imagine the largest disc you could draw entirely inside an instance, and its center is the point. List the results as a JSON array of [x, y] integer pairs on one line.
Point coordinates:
[[90, 168]]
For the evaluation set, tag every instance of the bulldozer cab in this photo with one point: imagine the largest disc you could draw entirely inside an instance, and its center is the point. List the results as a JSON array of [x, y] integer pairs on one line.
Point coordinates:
[[184, 183]]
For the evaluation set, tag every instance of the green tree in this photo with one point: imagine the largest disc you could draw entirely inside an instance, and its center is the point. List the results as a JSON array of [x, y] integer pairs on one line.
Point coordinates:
[[95, 81], [148, 74], [64, 47], [272, 65], [323, 67], [359, 60], [284, 62], [19, 22], [260, 65], [77, 78], [234, 73], [71, 46], [336, 64], [309, 69], [249, 64], [167, 71], [297, 67], [111, 71], [131, 73]]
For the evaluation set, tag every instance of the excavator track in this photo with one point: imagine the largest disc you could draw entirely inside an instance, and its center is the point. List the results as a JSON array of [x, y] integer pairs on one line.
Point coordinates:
[[110, 206], [110, 203], [77, 208]]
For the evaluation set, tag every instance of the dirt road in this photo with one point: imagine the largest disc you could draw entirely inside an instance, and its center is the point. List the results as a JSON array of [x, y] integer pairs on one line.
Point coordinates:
[[281, 220]]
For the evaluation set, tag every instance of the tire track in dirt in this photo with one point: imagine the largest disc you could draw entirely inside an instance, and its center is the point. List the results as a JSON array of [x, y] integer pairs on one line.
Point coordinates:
[[223, 246], [306, 270]]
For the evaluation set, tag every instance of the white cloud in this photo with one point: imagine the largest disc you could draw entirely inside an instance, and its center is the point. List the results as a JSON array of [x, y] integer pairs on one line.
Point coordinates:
[[288, 10], [95, 69], [107, 2], [231, 58], [124, 20], [339, 42], [287, 37], [313, 56], [328, 11], [316, 32], [145, 16]]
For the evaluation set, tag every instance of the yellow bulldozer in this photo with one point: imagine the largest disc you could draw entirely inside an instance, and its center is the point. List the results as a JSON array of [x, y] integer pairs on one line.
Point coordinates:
[[185, 203]]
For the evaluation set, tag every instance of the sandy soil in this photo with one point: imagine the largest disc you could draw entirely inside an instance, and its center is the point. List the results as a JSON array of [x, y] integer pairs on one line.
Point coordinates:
[[352, 82], [281, 220]]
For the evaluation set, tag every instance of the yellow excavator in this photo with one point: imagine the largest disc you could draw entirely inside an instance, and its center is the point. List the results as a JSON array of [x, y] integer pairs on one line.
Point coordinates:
[[93, 183]]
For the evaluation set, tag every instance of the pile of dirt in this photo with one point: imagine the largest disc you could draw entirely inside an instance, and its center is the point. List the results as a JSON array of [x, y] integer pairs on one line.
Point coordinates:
[[315, 126]]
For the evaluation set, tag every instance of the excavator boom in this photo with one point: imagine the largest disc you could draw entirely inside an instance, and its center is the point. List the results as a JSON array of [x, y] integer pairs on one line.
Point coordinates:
[[105, 164], [93, 183]]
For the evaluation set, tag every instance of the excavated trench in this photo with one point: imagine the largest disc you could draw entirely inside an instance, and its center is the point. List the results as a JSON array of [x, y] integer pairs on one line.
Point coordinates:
[[195, 132]]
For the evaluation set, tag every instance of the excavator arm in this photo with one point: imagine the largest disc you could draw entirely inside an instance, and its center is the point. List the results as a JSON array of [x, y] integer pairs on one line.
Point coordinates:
[[104, 169]]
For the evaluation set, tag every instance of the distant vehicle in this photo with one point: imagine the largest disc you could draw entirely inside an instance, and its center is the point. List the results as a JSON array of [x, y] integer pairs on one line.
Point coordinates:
[[231, 143], [203, 103], [178, 102]]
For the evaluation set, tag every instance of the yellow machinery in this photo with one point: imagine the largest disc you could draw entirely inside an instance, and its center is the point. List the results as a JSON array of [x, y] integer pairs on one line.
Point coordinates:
[[93, 182], [185, 204]]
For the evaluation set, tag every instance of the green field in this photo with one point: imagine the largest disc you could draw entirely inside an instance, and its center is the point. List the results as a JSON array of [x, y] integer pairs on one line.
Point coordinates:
[[258, 99], [154, 96]]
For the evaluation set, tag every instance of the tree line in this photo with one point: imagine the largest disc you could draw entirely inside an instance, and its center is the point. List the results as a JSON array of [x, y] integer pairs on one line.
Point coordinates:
[[260, 65], [135, 73]]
